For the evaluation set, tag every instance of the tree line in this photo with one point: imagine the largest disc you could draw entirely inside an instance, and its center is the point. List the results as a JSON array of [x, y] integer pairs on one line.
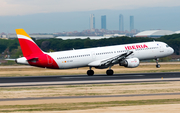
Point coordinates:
[[59, 45]]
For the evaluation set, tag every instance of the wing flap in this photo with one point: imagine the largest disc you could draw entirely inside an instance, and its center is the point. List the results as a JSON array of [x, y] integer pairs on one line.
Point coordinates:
[[95, 63], [111, 60]]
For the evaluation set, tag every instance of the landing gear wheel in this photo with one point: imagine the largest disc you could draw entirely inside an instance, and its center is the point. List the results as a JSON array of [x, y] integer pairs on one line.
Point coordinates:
[[109, 72], [158, 66], [90, 72]]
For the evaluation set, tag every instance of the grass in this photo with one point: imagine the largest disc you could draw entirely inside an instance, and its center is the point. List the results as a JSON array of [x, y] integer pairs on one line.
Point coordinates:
[[75, 86], [83, 105], [89, 90], [149, 91]]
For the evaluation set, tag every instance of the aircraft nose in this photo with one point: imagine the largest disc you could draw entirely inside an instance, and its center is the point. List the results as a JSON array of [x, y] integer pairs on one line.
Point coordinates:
[[172, 50]]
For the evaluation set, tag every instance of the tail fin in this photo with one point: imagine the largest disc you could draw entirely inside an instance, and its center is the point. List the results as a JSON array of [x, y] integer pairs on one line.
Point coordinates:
[[28, 46]]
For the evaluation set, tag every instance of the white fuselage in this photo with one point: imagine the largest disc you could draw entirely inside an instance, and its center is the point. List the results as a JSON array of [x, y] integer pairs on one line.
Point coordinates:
[[83, 57]]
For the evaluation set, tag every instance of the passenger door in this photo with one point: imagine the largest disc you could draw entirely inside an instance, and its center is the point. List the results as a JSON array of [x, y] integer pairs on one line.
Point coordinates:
[[161, 48]]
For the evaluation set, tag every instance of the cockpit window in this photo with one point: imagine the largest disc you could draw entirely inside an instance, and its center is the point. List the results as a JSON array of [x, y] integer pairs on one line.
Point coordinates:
[[167, 45]]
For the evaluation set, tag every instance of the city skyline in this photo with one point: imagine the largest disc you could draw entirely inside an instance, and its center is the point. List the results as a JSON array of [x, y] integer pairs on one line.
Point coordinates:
[[73, 15], [156, 18]]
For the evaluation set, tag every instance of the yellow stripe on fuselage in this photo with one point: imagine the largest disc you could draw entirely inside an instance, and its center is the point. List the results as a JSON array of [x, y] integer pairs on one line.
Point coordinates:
[[22, 32]]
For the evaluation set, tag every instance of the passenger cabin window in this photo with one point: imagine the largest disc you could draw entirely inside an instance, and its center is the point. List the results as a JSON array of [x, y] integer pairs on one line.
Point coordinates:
[[167, 45]]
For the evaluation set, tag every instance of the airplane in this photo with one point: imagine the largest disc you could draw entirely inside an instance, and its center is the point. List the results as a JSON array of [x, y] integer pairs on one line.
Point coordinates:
[[128, 55]]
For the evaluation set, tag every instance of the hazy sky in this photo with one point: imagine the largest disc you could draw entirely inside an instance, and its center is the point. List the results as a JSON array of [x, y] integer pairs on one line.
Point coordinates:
[[25, 7], [49, 16]]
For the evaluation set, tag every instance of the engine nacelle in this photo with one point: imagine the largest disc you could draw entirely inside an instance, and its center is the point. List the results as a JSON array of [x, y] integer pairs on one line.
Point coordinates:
[[130, 63]]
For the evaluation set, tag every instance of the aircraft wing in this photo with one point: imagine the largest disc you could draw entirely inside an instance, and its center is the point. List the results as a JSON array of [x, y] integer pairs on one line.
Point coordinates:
[[111, 60]]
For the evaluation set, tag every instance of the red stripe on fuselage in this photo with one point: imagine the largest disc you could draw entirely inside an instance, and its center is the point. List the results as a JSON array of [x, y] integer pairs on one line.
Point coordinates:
[[44, 60]]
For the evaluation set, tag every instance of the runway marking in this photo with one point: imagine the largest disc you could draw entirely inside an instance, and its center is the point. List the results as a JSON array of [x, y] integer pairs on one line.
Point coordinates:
[[87, 82], [101, 76], [131, 75]]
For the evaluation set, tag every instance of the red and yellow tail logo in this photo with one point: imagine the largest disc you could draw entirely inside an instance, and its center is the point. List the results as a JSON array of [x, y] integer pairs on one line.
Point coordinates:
[[34, 55], [28, 46]]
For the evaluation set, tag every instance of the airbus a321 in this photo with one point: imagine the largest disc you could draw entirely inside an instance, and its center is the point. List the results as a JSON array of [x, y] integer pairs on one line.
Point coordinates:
[[128, 55]]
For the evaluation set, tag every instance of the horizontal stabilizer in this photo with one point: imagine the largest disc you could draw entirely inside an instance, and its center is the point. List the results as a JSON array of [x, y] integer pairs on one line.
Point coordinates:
[[10, 59]]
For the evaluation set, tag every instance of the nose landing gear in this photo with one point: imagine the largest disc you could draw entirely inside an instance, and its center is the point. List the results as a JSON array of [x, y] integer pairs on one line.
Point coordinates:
[[157, 65]]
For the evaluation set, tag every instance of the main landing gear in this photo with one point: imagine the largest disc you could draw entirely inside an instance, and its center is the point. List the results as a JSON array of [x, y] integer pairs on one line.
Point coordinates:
[[90, 72], [157, 65], [108, 72]]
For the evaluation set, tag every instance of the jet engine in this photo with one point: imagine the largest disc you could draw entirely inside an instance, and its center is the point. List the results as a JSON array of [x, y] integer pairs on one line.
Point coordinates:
[[130, 63]]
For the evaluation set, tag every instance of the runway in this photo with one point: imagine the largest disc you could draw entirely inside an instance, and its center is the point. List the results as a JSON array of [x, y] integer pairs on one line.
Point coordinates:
[[84, 79]]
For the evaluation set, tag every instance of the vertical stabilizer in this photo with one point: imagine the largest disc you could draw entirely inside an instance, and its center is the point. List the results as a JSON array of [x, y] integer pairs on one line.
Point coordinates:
[[28, 46]]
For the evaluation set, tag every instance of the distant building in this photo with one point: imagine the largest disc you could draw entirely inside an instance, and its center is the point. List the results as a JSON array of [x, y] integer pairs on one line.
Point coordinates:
[[3, 35], [92, 21], [91, 37], [121, 23], [177, 32], [131, 23], [37, 37], [103, 22], [154, 33]]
